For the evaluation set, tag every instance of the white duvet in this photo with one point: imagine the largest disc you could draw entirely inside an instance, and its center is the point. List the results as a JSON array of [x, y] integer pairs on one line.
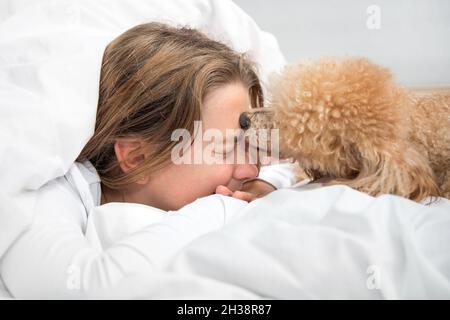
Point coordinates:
[[304, 242]]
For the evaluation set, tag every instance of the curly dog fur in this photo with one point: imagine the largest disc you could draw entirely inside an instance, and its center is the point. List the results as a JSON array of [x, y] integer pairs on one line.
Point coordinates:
[[347, 120]]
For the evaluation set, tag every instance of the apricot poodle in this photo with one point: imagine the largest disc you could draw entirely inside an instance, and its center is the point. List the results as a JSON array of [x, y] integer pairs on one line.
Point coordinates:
[[346, 121]]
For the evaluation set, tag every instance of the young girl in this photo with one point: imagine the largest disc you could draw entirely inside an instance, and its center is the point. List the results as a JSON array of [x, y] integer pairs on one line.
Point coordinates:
[[154, 79]]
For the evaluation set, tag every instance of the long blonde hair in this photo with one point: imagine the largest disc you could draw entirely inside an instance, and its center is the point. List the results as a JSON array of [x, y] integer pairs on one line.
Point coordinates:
[[153, 80]]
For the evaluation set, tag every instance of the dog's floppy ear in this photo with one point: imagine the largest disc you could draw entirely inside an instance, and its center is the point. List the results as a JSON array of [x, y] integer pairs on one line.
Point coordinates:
[[394, 169]]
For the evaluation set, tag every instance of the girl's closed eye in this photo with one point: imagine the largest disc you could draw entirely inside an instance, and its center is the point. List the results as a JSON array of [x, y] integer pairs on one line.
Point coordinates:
[[231, 151], [224, 151]]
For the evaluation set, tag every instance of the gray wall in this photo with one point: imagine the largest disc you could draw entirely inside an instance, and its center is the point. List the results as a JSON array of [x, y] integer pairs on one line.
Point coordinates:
[[413, 39]]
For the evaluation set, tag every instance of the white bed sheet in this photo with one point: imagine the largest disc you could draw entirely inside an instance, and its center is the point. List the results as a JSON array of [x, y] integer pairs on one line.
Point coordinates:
[[308, 242]]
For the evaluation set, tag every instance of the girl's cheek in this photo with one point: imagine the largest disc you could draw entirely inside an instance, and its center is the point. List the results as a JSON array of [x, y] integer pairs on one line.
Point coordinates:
[[222, 174]]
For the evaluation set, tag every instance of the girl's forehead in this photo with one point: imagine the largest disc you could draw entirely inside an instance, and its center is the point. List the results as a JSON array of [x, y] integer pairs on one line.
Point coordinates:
[[223, 107]]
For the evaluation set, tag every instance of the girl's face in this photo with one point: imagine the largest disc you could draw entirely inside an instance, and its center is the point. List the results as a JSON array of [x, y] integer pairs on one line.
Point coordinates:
[[179, 184]]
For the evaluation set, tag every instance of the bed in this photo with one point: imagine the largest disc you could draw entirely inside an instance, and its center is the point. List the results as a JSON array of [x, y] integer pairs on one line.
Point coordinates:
[[306, 242]]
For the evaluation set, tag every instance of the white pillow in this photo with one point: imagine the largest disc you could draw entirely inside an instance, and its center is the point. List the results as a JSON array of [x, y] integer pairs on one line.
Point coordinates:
[[50, 58]]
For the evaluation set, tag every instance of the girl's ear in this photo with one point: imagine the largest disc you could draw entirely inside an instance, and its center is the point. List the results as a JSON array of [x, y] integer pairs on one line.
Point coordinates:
[[130, 153]]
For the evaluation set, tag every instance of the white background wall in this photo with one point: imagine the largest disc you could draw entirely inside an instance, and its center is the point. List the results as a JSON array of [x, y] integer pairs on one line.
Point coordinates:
[[413, 39]]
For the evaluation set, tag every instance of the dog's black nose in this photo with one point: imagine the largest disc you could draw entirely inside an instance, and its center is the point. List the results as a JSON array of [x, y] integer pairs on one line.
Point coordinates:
[[244, 121]]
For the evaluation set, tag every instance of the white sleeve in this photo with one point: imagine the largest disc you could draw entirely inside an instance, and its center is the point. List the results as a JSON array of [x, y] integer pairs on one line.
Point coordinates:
[[280, 175], [53, 258]]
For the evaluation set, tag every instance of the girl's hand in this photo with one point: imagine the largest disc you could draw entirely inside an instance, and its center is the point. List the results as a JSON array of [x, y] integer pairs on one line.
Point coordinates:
[[251, 190]]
